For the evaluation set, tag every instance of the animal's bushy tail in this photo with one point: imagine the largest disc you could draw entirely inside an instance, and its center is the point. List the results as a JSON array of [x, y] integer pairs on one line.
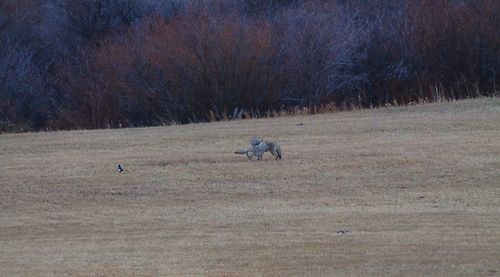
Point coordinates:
[[242, 152]]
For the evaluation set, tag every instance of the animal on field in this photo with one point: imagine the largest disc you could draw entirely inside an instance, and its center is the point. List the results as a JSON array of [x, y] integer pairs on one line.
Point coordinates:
[[273, 147], [257, 149]]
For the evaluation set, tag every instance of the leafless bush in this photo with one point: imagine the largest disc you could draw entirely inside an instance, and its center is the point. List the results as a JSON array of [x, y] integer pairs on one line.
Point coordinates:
[[322, 43]]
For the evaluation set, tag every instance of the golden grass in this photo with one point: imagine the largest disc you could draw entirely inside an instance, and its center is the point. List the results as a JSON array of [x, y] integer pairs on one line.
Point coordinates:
[[418, 189]]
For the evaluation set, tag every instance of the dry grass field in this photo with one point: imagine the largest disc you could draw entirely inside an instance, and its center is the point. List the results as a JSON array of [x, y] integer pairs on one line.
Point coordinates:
[[416, 188]]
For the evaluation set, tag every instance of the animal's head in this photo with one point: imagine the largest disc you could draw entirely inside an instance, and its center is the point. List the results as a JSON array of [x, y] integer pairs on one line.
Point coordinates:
[[256, 140]]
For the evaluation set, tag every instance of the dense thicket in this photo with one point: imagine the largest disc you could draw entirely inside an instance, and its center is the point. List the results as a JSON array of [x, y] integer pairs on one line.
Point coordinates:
[[109, 63]]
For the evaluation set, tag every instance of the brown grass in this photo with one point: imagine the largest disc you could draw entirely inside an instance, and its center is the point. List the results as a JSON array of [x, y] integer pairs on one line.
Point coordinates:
[[417, 187]]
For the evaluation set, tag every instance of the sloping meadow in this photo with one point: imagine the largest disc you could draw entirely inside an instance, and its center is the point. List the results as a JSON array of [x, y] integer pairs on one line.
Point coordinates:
[[393, 191]]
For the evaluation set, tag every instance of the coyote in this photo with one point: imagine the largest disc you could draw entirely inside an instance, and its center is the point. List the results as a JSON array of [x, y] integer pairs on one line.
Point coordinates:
[[258, 147], [272, 147]]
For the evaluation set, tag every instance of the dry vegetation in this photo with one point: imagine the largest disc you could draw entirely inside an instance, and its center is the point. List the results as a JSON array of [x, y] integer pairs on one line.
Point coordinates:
[[418, 189], [92, 64]]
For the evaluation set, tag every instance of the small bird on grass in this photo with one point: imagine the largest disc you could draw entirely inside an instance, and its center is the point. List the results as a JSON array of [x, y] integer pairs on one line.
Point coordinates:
[[119, 168]]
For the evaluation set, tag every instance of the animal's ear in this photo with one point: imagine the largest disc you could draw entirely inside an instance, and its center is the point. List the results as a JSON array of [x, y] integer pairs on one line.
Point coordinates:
[[255, 141]]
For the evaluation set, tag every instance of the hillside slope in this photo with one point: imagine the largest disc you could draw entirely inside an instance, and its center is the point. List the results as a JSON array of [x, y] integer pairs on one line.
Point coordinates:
[[416, 190]]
